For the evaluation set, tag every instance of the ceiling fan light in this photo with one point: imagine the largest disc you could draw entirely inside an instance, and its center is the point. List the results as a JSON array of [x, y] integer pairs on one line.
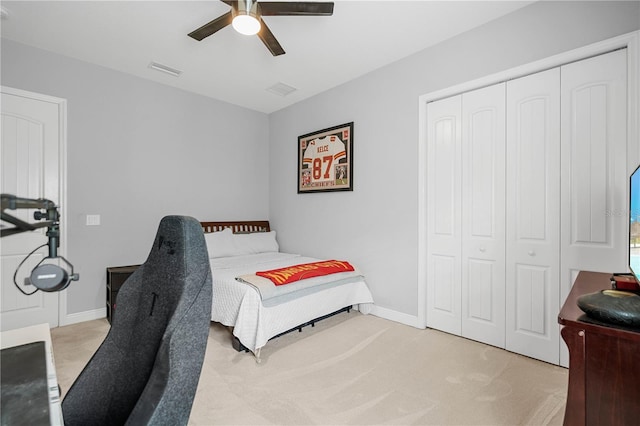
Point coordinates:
[[246, 24]]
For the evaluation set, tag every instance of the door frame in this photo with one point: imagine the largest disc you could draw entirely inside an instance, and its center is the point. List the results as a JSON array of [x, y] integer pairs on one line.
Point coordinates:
[[630, 41], [62, 167]]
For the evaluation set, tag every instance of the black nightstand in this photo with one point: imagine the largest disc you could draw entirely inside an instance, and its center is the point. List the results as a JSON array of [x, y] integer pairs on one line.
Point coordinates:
[[116, 276]]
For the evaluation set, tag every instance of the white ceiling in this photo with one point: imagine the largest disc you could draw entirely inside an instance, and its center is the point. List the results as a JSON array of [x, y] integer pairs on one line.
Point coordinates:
[[322, 52]]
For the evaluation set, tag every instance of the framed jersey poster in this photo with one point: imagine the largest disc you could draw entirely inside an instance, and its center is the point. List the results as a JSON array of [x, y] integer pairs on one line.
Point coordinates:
[[325, 160]]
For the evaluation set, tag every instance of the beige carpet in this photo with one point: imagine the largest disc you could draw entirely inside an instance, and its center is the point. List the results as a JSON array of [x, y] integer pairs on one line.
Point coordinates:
[[354, 369]]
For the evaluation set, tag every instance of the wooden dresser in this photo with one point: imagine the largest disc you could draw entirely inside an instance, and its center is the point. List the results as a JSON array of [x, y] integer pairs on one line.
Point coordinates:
[[604, 362]]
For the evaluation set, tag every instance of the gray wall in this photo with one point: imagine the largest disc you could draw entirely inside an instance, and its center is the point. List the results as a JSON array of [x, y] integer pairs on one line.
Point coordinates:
[[138, 151], [376, 225]]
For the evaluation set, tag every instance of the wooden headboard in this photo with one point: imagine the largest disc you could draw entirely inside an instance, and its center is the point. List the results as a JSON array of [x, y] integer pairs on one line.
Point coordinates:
[[237, 227]]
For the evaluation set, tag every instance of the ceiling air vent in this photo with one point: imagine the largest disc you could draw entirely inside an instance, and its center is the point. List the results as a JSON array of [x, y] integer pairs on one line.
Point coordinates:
[[163, 68], [281, 89]]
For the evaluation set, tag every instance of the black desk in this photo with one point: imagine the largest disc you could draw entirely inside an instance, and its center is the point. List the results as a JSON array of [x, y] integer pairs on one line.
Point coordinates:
[[28, 381], [23, 385]]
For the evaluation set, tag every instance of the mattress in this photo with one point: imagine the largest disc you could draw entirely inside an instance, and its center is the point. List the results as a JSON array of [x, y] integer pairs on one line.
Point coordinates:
[[254, 321]]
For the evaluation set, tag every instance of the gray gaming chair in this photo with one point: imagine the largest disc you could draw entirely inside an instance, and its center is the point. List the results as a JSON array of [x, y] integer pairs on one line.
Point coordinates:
[[147, 369]]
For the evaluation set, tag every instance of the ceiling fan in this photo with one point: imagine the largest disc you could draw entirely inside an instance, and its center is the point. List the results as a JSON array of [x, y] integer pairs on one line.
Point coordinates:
[[246, 18]]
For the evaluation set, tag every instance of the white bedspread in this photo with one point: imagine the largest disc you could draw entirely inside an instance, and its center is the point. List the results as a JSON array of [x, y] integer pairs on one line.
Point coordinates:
[[239, 305]]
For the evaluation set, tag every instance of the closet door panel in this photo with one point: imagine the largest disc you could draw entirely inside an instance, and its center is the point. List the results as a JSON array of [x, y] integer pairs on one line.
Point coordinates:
[[594, 166], [443, 215], [533, 212], [531, 300], [594, 221], [483, 215], [443, 298], [480, 307]]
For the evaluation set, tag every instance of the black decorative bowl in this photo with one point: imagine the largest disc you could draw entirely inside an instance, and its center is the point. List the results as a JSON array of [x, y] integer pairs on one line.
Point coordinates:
[[612, 306]]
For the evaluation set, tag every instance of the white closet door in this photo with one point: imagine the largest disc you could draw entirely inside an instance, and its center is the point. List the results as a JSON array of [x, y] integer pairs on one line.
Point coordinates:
[[444, 244], [594, 166], [533, 211], [594, 223], [483, 215]]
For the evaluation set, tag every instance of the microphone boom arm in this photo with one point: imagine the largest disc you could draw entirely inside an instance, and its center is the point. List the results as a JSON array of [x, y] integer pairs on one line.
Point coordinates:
[[56, 279], [12, 202]]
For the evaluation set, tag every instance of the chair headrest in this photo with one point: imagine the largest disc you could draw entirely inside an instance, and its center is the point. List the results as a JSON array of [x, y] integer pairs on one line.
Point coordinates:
[[178, 238]]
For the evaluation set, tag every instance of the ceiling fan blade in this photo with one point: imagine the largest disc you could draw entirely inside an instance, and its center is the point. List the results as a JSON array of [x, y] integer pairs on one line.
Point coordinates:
[[269, 40], [300, 8], [216, 25]]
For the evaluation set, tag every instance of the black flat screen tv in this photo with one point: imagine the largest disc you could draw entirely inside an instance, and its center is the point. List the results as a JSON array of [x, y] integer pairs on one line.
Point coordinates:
[[634, 223]]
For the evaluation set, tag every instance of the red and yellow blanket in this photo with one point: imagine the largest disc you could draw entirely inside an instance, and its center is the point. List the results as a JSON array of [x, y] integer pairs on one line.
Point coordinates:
[[303, 271]]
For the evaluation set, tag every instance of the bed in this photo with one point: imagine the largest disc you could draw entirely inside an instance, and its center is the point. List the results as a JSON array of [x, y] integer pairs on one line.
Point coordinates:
[[257, 310]]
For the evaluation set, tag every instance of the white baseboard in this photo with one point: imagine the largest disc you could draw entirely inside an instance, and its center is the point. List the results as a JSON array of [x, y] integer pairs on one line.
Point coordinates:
[[389, 314], [84, 316], [402, 318]]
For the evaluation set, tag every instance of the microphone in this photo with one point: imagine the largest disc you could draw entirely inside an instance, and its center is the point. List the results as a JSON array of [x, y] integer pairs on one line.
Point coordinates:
[[50, 278]]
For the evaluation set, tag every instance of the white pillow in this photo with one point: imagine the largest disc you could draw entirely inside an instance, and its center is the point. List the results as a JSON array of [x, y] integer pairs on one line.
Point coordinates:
[[256, 242], [220, 244], [225, 243]]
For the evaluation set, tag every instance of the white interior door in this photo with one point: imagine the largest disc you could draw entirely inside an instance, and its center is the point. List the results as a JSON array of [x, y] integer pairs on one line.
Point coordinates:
[[533, 206], [483, 215], [444, 247], [30, 158]]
